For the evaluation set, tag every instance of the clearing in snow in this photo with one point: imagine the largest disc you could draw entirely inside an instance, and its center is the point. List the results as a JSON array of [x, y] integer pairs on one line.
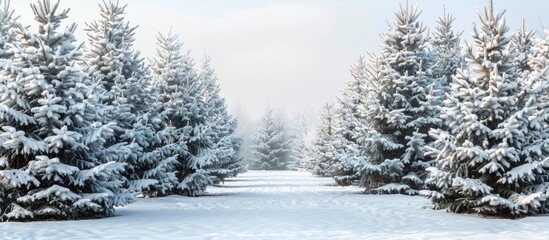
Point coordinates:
[[282, 205]]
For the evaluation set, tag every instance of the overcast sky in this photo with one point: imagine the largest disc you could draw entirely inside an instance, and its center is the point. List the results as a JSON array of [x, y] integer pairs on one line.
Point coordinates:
[[292, 55]]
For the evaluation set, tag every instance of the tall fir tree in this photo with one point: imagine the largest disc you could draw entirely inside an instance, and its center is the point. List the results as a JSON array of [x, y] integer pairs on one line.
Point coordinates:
[[400, 109], [492, 159], [168, 70], [185, 112], [122, 87], [222, 126], [351, 123], [270, 149], [50, 129]]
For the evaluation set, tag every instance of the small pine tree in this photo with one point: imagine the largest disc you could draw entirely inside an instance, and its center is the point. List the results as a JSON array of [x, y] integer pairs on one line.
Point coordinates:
[[323, 151], [446, 51], [522, 44], [299, 135], [271, 147]]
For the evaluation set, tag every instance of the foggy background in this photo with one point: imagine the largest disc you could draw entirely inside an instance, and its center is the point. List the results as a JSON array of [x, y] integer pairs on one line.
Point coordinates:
[[290, 55]]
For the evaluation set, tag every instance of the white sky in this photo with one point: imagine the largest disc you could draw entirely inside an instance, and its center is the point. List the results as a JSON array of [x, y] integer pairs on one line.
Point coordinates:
[[291, 55]]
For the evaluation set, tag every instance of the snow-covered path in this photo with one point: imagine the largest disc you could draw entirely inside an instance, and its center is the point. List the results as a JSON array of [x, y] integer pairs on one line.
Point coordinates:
[[282, 205]]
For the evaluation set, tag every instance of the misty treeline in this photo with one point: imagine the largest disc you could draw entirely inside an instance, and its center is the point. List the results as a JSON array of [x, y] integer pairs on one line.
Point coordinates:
[[87, 127], [464, 124], [276, 143]]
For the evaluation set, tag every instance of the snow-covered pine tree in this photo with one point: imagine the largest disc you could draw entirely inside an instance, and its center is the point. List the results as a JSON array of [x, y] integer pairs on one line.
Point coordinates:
[[308, 162], [185, 111], [169, 68], [446, 52], [522, 44], [351, 124], [296, 144], [369, 141], [122, 86], [270, 150], [298, 137], [540, 49], [49, 129], [399, 109], [493, 158], [447, 57], [198, 134], [323, 152], [222, 126], [7, 35]]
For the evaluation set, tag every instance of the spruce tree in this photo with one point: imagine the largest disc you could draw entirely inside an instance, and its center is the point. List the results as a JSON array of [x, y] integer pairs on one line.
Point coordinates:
[[299, 135], [399, 109], [167, 69], [50, 129], [446, 52], [225, 143], [351, 124], [523, 45], [296, 144], [270, 149], [324, 149], [7, 35], [184, 110], [122, 87], [492, 159]]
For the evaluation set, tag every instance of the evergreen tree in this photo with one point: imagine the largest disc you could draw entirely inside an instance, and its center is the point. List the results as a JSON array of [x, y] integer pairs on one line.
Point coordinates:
[[522, 45], [50, 129], [184, 110], [271, 147], [351, 124], [308, 161], [222, 126], [399, 109], [122, 87], [447, 58], [446, 51], [7, 35], [298, 143], [323, 151], [492, 159]]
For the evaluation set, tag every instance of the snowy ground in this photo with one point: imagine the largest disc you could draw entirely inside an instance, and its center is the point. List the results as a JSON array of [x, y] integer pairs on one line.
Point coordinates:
[[282, 205]]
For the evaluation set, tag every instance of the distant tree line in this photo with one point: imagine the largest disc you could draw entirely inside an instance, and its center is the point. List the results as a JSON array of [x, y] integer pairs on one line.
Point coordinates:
[[276, 144]]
